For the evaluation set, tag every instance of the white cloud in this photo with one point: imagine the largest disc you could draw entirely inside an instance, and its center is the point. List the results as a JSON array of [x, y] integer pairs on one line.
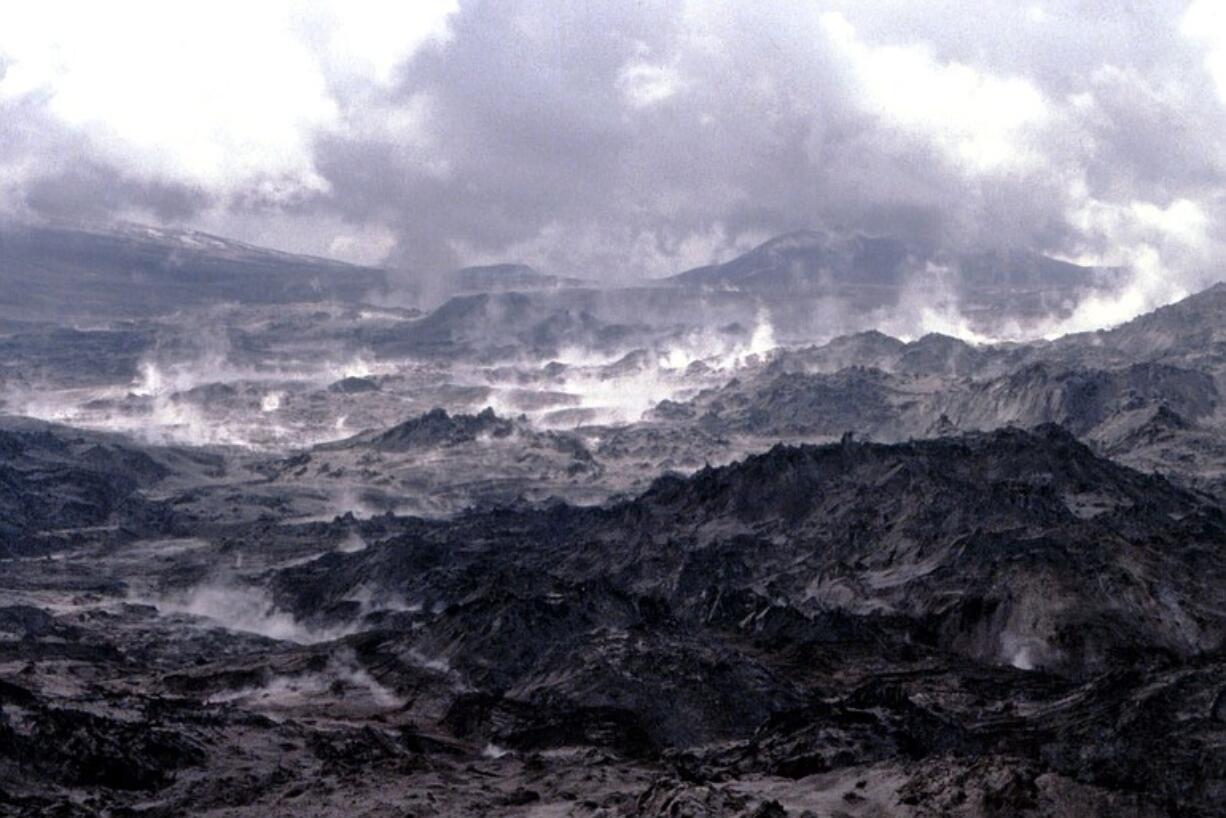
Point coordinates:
[[1037, 14], [362, 245], [1158, 246], [227, 96], [1182, 220], [369, 39], [644, 84], [1205, 21], [1123, 229], [983, 121]]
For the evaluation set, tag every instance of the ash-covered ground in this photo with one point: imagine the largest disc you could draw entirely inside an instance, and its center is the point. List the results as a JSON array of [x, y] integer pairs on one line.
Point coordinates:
[[273, 542]]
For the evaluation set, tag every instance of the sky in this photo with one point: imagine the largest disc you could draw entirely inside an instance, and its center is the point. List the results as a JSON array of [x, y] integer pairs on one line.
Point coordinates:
[[612, 140]]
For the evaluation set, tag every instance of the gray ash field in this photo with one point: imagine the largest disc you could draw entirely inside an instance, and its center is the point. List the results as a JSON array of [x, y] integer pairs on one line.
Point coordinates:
[[274, 542]]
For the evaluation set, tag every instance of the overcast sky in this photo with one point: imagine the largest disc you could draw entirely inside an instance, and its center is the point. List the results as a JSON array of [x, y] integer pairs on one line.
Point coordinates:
[[613, 139]]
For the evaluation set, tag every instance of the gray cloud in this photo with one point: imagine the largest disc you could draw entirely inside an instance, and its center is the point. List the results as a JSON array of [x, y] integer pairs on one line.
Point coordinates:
[[89, 191], [610, 140]]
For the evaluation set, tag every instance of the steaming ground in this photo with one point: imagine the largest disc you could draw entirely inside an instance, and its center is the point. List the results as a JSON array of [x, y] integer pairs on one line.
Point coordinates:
[[276, 393], [280, 398], [718, 546], [563, 353]]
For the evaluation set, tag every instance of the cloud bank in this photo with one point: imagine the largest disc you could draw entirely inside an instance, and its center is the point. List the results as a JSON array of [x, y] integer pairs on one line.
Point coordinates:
[[614, 140]]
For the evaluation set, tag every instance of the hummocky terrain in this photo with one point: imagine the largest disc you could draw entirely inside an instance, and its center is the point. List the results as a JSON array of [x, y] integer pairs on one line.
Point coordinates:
[[274, 542]]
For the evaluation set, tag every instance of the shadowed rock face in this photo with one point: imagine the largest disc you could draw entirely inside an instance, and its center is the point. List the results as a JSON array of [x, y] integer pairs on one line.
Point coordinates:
[[1009, 548], [53, 482], [1096, 404], [1001, 618]]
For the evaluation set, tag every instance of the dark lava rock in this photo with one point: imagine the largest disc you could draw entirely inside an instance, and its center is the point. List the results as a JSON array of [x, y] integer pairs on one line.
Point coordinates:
[[353, 386], [437, 428], [819, 608], [75, 748], [667, 798]]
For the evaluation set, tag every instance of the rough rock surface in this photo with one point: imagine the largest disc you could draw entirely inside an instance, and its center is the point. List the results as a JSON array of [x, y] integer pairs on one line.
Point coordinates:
[[572, 552]]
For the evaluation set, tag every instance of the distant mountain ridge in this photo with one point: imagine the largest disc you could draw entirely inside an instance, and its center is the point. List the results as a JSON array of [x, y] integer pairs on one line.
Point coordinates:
[[58, 272], [809, 285], [504, 277], [810, 259]]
